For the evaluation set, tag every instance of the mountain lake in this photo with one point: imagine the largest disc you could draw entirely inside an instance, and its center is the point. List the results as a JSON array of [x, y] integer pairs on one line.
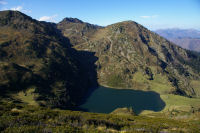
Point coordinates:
[[106, 100]]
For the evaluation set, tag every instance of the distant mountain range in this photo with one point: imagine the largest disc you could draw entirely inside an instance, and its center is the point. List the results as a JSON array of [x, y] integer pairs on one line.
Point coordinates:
[[186, 38]]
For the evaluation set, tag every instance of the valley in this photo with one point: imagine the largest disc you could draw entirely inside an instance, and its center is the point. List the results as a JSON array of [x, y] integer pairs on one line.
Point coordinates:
[[74, 76]]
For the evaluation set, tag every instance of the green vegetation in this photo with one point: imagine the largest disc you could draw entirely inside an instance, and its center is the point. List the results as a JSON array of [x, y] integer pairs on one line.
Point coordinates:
[[124, 111], [115, 80], [25, 118], [159, 83], [39, 71], [28, 96], [180, 103], [196, 85]]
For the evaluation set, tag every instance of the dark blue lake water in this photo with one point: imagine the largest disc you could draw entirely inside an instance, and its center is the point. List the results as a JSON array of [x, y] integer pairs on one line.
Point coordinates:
[[105, 100]]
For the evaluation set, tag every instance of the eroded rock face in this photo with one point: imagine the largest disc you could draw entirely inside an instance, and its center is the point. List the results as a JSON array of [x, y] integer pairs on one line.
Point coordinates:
[[131, 56], [35, 54]]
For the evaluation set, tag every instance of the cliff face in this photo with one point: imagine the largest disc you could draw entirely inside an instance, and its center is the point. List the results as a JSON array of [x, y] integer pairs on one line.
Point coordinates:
[[35, 56], [131, 56]]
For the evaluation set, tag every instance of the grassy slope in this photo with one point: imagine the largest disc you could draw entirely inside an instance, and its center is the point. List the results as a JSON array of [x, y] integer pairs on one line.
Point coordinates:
[[196, 86], [27, 96], [25, 118], [180, 103]]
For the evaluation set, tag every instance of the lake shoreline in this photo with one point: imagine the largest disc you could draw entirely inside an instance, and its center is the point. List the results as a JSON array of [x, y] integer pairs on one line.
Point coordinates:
[[105, 100]]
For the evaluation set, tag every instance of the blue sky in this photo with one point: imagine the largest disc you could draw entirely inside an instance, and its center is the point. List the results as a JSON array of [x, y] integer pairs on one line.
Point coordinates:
[[154, 14]]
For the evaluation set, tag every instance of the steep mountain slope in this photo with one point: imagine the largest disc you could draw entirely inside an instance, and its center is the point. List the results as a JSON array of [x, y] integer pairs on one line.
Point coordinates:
[[130, 56], [188, 39], [37, 64]]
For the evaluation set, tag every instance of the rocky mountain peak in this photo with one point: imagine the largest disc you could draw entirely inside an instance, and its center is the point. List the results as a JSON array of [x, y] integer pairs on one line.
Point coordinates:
[[77, 30], [71, 20], [14, 17]]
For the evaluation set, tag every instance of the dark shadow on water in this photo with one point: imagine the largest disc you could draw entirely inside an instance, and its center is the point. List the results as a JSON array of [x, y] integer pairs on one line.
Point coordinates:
[[105, 100]]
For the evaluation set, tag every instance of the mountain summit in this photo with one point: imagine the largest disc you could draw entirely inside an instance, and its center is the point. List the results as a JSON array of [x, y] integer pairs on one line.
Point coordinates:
[[72, 20], [77, 30]]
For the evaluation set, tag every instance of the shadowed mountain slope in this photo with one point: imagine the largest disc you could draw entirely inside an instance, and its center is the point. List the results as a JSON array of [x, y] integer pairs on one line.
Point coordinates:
[[37, 63]]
